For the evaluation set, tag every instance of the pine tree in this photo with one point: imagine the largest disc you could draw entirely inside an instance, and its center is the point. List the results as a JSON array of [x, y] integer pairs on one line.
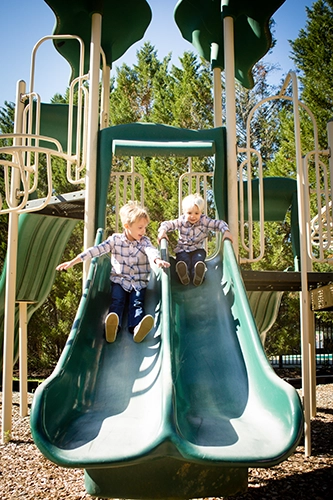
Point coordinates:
[[313, 57]]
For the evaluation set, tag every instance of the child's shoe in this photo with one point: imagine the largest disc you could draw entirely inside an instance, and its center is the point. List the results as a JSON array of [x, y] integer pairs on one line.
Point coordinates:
[[143, 328], [199, 273], [182, 271], [111, 327]]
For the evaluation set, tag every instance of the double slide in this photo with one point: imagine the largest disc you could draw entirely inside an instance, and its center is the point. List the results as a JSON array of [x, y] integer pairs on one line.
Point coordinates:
[[182, 414]]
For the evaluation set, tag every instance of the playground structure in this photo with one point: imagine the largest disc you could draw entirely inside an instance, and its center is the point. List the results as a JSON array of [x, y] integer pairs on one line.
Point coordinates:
[[181, 420]]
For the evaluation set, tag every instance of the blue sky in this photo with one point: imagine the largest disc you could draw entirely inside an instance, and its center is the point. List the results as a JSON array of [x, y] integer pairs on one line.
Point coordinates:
[[24, 22]]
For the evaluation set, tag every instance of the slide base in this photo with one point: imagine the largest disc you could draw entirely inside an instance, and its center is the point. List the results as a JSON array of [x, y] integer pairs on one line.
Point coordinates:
[[166, 479]]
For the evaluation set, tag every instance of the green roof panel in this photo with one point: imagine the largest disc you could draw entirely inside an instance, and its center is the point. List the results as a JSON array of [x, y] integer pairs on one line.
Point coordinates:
[[124, 23], [201, 23]]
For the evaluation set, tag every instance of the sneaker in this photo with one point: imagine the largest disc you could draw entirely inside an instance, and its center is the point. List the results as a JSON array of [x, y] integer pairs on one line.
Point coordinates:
[[111, 327], [143, 328], [182, 271], [199, 273]]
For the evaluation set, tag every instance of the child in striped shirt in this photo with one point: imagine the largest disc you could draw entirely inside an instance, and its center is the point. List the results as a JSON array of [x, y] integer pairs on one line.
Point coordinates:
[[132, 254], [193, 227]]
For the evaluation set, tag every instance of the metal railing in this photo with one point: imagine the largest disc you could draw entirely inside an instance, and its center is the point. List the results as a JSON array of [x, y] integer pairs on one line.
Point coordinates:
[[127, 186], [316, 189], [192, 182], [295, 360], [28, 171]]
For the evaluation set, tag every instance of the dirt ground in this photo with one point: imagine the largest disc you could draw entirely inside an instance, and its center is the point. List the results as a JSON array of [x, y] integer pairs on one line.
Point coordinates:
[[26, 474]]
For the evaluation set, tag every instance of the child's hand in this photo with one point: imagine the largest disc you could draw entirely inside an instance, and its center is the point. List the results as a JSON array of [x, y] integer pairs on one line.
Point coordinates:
[[227, 236], [70, 263], [64, 266], [162, 263], [162, 235]]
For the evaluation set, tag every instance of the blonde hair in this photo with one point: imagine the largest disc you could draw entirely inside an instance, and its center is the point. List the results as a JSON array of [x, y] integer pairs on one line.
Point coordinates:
[[131, 212], [191, 200]]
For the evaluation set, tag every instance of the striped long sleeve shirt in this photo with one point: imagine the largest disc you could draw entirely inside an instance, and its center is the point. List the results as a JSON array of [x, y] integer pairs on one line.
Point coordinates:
[[130, 260], [192, 236]]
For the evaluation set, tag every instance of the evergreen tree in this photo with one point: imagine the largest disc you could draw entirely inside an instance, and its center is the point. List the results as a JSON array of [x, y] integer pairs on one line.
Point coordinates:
[[311, 52], [152, 92], [313, 57]]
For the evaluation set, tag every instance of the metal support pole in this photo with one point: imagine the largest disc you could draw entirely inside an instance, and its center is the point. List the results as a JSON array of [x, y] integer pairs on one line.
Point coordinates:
[[313, 374], [217, 87], [23, 306], [9, 316], [304, 294], [93, 118], [105, 99], [229, 61]]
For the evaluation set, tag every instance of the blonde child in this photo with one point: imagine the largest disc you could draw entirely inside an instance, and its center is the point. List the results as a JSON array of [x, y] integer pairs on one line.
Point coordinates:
[[132, 254], [193, 227]]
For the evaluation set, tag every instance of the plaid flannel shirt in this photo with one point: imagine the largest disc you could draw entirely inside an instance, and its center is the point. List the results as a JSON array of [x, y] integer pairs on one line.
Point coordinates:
[[192, 236], [130, 260]]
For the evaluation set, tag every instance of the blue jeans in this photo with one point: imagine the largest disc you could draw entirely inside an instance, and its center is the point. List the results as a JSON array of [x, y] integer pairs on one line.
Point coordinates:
[[135, 300], [191, 258]]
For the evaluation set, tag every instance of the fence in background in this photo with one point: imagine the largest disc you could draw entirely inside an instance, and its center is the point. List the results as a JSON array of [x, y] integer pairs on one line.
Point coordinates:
[[324, 350]]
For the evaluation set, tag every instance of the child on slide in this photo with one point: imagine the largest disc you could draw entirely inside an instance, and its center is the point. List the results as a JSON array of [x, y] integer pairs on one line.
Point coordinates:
[[193, 227], [132, 254]]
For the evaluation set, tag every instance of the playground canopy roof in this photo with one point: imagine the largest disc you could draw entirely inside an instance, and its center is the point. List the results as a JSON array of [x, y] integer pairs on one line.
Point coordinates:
[[200, 22], [124, 23]]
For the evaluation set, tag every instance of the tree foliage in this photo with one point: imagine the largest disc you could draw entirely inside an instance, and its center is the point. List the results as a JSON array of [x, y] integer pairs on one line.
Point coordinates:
[[313, 57]]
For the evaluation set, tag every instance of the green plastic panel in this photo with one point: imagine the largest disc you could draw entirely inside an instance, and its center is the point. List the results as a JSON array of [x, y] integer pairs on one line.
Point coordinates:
[[54, 123], [280, 195], [265, 308], [150, 134], [123, 24], [201, 23], [41, 242]]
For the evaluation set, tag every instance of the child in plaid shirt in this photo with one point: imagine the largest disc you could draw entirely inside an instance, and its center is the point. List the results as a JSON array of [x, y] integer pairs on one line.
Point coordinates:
[[193, 227], [132, 254]]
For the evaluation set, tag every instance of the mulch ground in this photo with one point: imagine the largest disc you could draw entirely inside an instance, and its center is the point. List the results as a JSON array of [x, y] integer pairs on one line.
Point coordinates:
[[26, 474]]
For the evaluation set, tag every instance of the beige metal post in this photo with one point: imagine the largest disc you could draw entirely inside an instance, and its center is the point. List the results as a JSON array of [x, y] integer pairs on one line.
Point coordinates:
[[217, 87], [105, 97], [229, 60], [9, 316], [217, 97], [23, 360], [304, 294], [93, 119]]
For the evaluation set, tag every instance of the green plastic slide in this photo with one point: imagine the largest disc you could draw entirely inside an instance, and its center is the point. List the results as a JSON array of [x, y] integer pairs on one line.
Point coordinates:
[[182, 414], [41, 242]]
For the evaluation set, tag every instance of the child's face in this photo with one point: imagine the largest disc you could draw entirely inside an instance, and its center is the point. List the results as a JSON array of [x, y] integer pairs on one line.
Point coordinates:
[[137, 229], [192, 214]]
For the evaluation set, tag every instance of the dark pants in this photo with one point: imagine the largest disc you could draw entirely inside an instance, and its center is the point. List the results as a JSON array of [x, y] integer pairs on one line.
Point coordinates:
[[191, 258], [135, 300]]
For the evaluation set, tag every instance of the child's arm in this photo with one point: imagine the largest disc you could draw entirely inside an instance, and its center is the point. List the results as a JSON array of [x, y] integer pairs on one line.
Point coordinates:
[[227, 236], [66, 265], [165, 227], [95, 251], [161, 263], [162, 234], [154, 255], [218, 225]]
